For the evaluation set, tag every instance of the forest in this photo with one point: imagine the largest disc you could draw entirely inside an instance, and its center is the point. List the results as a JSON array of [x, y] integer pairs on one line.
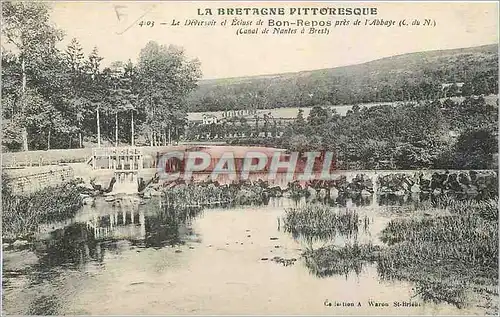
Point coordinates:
[[60, 98], [430, 134], [409, 77]]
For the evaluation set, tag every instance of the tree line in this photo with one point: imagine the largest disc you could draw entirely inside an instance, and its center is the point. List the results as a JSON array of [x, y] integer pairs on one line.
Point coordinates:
[[430, 134], [60, 98], [411, 77]]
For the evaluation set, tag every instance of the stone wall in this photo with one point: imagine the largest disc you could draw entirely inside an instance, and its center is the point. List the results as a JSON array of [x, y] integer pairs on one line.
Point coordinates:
[[29, 180], [456, 182], [399, 183]]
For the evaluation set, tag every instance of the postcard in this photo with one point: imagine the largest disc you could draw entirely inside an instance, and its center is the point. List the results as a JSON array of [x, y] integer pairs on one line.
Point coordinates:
[[250, 158]]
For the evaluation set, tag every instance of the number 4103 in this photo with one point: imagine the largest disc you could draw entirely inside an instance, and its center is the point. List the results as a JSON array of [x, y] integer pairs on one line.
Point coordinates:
[[147, 23]]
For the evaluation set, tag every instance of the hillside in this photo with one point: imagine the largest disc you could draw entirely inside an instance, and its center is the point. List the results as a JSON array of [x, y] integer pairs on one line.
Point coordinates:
[[404, 77]]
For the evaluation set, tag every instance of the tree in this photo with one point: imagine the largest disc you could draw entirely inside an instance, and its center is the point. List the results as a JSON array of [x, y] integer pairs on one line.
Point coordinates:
[[475, 149], [96, 87], [121, 98], [318, 116], [78, 104], [165, 78], [131, 81], [26, 27]]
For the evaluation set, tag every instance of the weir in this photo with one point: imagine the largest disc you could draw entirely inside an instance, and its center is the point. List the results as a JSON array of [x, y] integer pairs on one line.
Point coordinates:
[[126, 163]]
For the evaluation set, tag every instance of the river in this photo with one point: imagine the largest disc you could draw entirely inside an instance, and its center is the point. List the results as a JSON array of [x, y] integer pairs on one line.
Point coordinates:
[[131, 259]]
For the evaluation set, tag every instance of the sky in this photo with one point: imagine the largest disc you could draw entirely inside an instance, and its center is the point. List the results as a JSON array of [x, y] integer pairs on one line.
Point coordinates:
[[110, 26]]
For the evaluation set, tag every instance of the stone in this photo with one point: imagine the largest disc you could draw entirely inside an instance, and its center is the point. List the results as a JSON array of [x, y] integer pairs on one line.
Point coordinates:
[[312, 192], [19, 243], [399, 192], [334, 192], [415, 188], [322, 193], [85, 186], [88, 200], [365, 193]]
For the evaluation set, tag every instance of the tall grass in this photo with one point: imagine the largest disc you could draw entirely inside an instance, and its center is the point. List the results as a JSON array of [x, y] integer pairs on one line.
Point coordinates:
[[447, 254], [192, 195], [333, 260], [209, 194], [322, 221], [444, 254], [21, 214]]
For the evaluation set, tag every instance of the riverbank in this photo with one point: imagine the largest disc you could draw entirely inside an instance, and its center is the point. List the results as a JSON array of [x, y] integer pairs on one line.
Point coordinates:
[[21, 214], [450, 252], [177, 258]]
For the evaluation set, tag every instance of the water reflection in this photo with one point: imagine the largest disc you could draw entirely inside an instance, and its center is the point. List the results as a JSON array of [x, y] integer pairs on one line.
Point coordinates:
[[154, 225], [123, 247]]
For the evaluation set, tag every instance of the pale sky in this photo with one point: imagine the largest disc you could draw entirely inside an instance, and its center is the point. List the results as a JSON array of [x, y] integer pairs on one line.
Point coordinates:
[[224, 54]]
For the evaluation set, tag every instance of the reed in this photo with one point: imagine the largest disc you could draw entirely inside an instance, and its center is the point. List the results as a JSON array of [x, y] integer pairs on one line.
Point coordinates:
[[192, 195], [333, 260], [444, 254], [322, 221], [21, 214], [213, 194]]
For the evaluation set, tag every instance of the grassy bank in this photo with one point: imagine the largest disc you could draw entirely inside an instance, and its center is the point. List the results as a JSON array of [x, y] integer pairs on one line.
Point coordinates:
[[446, 256], [21, 214], [450, 256]]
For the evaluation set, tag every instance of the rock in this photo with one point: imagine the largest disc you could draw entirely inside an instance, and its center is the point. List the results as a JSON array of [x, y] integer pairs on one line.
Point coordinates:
[[150, 191], [471, 190], [399, 192], [273, 238], [415, 188], [156, 193], [312, 192], [322, 193], [19, 243], [85, 186], [88, 200], [264, 259], [365, 193], [437, 191], [276, 246], [334, 192], [178, 251]]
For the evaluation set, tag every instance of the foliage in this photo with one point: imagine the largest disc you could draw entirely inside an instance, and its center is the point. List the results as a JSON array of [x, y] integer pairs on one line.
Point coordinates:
[[21, 214], [408, 77], [52, 96]]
